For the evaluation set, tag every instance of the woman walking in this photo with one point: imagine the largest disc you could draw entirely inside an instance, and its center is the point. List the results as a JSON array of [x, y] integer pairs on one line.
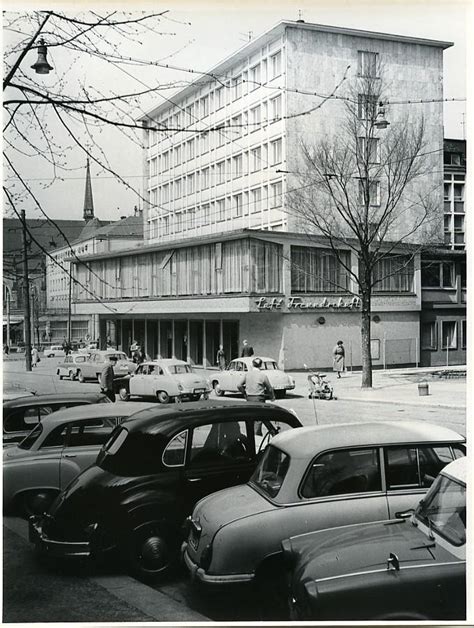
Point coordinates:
[[34, 356], [220, 358], [338, 363]]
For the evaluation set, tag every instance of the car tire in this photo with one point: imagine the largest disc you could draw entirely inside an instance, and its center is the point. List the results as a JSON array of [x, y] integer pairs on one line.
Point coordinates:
[[162, 396], [148, 554], [124, 394], [58, 372], [280, 394], [205, 396], [36, 502], [80, 376], [217, 389]]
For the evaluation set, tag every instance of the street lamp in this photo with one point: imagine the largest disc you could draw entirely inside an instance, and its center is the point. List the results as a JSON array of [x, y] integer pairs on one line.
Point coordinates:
[[42, 66], [380, 120]]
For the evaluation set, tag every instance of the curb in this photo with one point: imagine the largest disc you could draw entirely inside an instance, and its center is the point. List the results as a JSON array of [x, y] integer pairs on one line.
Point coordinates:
[[405, 403]]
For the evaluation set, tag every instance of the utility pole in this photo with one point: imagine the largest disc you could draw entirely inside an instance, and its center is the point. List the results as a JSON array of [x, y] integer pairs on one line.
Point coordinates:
[[26, 292], [69, 306]]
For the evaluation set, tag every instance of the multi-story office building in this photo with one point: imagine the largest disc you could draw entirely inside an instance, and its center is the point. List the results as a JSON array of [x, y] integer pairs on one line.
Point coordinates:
[[224, 257], [454, 182]]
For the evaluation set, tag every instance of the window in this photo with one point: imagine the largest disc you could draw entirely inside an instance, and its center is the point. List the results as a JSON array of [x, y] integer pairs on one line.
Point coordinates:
[[219, 97], [177, 188], [220, 172], [177, 156], [275, 65], [190, 184], [190, 149], [271, 471], [165, 193], [178, 221], [205, 178], [204, 106], [394, 273], [191, 218], [276, 195], [369, 193], [237, 86], [264, 71], [237, 198], [205, 214], [220, 444], [343, 472], [165, 225], [190, 113], [154, 170], [221, 210], [318, 270], [255, 76], [204, 143], [276, 152], [256, 196], [367, 63], [256, 159], [463, 333], [236, 126], [275, 108], [368, 149], [449, 335], [367, 107], [237, 166], [437, 274], [428, 336], [165, 160], [174, 454], [255, 118], [415, 467]]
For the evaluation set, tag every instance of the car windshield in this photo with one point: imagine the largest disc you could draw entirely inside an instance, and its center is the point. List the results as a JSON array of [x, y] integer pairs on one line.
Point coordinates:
[[269, 365], [271, 471], [119, 356], [444, 510], [177, 369], [32, 437]]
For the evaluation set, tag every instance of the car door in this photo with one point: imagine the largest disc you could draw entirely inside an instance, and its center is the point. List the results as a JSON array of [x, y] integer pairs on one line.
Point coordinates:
[[225, 377], [137, 384], [82, 443], [409, 472], [219, 455]]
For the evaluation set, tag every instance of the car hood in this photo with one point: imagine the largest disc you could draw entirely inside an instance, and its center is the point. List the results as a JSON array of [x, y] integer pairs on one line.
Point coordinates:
[[361, 548], [224, 507]]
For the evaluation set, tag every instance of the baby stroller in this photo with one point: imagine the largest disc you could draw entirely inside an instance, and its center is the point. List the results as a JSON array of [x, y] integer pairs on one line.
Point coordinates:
[[318, 386]]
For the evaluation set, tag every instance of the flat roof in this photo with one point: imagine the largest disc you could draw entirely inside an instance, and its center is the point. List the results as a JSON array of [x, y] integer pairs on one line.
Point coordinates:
[[278, 30]]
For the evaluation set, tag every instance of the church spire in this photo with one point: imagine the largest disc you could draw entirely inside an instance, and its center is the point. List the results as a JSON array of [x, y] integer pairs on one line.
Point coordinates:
[[88, 200]]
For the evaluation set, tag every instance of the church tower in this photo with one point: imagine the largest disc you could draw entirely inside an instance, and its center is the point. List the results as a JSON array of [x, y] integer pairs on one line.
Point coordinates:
[[88, 200]]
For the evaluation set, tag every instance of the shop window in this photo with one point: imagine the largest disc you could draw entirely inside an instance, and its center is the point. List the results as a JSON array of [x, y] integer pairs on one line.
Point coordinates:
[[428, 336], [318, 270], [265, 267], [394, 273], [449, 335], [464, 334], [437, 274]]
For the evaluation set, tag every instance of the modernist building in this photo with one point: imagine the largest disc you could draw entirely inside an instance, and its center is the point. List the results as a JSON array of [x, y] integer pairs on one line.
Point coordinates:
[[454, 183], [224, 258]]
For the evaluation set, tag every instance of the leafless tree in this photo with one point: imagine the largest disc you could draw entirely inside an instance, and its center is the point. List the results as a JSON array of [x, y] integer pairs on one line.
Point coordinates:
[[371, 191]]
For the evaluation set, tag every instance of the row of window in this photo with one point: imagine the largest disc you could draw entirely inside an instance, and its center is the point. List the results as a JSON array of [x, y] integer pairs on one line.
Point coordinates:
[[233, 89], [454, 227], [449, 331], [436, 274]]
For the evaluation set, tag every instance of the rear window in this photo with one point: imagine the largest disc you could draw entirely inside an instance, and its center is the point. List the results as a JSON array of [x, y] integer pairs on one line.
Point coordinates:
[[132, 453], [271, 471], [32, 437], [178, 369]]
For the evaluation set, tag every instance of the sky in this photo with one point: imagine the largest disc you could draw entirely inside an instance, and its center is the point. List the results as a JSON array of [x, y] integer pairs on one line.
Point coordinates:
[[206, 33]]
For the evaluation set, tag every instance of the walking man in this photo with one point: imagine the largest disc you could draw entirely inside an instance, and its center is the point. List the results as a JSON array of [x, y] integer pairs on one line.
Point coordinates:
[[107, 378], [247, 350]]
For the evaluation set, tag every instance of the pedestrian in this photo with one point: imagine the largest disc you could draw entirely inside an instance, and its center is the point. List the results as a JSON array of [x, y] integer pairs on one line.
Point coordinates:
[[220, 358], [338, 363], [133, 347], [34, 356], [247, 350], [6, 349], [255, 386], [107, 378]]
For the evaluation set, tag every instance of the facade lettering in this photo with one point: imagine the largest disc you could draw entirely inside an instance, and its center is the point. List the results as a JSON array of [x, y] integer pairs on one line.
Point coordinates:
[[297, 303]]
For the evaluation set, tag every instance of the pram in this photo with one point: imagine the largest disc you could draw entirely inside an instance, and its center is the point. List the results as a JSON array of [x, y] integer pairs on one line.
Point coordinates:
[[318, 386]]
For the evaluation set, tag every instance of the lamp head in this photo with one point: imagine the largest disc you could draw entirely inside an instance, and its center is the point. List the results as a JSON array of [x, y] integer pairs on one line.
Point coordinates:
[[42, 66]]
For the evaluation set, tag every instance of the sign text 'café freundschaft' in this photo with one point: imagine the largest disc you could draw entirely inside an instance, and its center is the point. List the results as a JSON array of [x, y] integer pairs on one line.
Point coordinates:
[[265, 304]]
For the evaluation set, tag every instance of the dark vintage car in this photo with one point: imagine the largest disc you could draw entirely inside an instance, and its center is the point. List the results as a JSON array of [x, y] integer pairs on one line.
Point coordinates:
[[21, 414], [410, 568], [149, 475]]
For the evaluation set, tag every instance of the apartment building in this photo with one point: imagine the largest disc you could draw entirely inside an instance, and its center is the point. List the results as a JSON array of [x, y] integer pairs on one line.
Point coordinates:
[[454, 190]]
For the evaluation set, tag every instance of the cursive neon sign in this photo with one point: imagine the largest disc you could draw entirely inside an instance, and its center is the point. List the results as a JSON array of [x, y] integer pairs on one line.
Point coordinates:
[[265, 304]]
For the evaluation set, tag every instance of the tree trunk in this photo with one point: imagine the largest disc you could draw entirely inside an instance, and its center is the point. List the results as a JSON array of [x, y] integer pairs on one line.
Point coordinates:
[[365, 339]]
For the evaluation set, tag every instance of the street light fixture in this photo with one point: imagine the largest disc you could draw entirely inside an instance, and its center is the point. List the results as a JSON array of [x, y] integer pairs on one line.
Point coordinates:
[[380, 121], [42, 66]]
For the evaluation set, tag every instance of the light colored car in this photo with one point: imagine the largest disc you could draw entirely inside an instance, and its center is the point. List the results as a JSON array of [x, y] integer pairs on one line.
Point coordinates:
[[229, 380], [412, 568], [56, 451], [165, 380], [92, 367], [71, 365], [310, 479], [54, 351]]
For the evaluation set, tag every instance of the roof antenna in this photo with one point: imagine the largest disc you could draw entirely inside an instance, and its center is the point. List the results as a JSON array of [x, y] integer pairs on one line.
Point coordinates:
[[300, 17]]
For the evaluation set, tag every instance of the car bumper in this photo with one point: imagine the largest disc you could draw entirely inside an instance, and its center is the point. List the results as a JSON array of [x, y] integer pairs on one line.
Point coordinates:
[[197, 573], [59, 549], [286, 387]]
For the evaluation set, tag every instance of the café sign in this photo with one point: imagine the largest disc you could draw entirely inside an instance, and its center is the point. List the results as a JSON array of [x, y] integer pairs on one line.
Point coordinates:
[[265, 304]]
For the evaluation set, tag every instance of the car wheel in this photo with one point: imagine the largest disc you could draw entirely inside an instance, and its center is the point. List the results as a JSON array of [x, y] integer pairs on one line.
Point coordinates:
[[280, 394], [124, 394], [80, 376], [36, 502], [58, 372], [217, 389], [163, 396], [148, 554], [205, 396]]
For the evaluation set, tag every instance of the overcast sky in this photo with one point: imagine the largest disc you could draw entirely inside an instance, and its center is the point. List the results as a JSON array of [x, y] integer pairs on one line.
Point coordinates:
[[218, 29]]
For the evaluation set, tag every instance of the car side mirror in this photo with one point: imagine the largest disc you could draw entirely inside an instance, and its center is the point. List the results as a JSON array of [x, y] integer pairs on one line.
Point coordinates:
[[404, 514]]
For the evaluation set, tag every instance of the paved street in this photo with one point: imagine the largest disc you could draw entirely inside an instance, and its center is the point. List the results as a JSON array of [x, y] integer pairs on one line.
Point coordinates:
[[95, 595]]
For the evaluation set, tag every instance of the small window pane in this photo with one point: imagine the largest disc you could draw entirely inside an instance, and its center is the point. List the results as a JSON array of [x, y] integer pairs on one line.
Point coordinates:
[[174, 454], [402, 468], [432, 460], [220, 444]]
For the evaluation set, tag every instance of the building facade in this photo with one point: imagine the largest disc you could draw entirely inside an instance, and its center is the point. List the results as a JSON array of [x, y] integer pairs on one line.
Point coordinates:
[[454, 192]]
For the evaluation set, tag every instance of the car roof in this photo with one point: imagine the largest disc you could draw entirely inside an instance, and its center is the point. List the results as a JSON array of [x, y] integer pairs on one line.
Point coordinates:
[[167, 361], [99, 411], [37, 400], [307, 441], [248, 360], [107, 351], [165, 419], [457, 469]]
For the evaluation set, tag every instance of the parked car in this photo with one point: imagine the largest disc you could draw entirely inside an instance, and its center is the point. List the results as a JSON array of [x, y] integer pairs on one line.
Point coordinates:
[[55, 452], [71, 364], [165, 380], [92, 367], [411, 568], [148, 476], [22, 413], [310, 479], [229, 380], [54, 351]]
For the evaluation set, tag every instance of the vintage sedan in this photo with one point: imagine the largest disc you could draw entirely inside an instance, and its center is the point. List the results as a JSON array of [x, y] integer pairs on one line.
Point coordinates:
[[230, 379], [165, 380], [55, 452], [92, 367], [411, 568], [70, 366], [148, 476], [310, 479], [54, 351], [22, 413]]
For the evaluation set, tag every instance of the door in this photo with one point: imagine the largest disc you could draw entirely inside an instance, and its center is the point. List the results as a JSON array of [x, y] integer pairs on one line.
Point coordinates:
[[137, 383]]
